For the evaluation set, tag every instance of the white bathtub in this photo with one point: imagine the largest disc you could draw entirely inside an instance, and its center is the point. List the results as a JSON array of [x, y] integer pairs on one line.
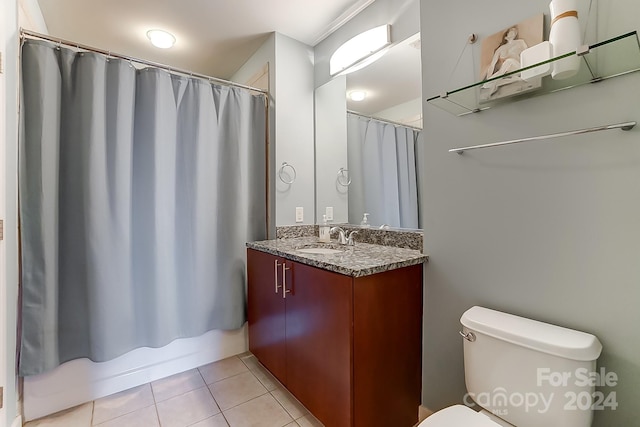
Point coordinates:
[[81, 380]]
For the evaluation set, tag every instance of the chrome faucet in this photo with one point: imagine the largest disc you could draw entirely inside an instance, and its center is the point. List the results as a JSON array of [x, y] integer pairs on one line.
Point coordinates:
[[342, 238]]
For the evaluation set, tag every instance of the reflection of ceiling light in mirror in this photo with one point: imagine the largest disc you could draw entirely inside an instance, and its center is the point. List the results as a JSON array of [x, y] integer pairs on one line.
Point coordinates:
[[357, 95], [360, 51], [161, 39]]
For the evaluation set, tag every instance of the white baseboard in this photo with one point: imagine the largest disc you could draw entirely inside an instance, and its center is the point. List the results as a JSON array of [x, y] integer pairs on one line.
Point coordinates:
[[82, 380]]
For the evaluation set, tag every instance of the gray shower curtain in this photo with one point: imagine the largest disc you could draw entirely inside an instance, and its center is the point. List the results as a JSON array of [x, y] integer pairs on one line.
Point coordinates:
[[138, 190], [384, 172]]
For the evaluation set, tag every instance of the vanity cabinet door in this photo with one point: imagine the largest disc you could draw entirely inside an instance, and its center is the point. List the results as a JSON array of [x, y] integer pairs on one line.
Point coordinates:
[[387, 345], [266, 311], [319, 325]]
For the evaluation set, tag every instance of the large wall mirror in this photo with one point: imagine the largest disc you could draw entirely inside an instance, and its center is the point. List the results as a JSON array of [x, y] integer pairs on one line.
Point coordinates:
[[368, 151]]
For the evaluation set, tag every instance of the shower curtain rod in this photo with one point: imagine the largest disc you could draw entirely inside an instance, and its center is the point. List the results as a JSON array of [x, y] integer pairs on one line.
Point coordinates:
[[27, 33], [384, 120]]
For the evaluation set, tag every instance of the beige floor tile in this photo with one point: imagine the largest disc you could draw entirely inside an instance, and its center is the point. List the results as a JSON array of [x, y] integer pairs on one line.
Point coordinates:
[[309, 421], [240, 385], [262, 373], [250, 361], [263, 411], [236, 390], [222, 369], [215, 421], [177, 384], [145, 417], [79, 416], [122, 403], [289, 403], [187, 409], [266, 378]]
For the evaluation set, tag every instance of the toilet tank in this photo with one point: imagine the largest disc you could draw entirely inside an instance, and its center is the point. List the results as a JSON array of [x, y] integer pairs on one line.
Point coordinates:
[[527, 372]]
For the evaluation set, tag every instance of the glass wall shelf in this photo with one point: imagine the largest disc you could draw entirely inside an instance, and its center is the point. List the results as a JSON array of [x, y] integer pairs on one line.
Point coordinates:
[[610, 58]]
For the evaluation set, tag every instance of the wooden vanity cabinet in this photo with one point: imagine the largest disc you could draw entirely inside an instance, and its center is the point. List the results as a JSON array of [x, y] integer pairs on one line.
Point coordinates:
[[265, 311], [348, 348]]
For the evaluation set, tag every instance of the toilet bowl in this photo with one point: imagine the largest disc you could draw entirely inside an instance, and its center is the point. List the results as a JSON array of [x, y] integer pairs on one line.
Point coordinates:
[[459, 416], [508, 360]]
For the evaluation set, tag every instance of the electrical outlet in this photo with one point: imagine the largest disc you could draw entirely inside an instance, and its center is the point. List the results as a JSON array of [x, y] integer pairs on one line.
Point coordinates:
[[299, 214], [329, 213]]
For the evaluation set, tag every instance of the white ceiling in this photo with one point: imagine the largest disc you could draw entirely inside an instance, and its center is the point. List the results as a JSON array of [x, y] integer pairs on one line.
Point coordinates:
[[214, 37]]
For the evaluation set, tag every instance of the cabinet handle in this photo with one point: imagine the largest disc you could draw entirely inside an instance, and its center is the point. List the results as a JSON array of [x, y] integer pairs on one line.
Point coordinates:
[[285, 291], [275, 270]]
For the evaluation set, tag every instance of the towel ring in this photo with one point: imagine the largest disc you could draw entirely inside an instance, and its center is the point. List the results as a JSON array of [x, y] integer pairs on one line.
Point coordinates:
[[343, 178], [285, 165]]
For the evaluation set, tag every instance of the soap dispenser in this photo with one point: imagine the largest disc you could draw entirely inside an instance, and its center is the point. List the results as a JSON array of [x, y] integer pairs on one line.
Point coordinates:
[[365, 221], [324, 231]]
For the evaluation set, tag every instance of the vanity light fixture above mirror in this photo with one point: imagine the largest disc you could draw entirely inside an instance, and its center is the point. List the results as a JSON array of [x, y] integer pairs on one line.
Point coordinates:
[[360, 51]]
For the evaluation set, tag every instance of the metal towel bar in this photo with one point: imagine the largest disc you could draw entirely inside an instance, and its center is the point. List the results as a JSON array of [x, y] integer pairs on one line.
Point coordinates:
[[623, 126]]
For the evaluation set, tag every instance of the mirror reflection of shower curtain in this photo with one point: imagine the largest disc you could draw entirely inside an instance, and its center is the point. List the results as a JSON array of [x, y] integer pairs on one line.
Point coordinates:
[[383, 169], [138, 190]]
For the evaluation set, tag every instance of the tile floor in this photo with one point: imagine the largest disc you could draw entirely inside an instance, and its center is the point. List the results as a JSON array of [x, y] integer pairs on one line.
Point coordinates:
[[234, 392]]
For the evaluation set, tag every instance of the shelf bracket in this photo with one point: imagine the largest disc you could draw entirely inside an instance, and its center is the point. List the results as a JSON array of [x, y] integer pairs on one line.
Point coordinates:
[[583, 50], [622, 126]]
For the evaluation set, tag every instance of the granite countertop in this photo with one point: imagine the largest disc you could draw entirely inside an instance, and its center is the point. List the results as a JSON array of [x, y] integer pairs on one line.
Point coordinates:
[[363, 259]]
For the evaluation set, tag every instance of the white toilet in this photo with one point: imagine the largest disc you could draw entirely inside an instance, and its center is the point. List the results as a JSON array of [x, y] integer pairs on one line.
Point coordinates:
[[523, 373]]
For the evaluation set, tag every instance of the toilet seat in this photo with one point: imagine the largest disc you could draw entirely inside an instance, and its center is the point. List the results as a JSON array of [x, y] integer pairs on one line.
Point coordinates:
[[457, 416]]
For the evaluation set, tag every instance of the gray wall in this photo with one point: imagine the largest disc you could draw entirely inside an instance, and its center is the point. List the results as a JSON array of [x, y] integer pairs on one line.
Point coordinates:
[[545, 230], [290, 123], [294, 128]]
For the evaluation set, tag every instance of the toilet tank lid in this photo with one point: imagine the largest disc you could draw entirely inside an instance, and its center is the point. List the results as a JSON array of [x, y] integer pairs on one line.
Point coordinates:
[[544, 337]]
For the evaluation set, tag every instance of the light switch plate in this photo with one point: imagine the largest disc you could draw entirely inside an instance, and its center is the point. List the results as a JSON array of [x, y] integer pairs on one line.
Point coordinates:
[[299, 214], [329, 213]]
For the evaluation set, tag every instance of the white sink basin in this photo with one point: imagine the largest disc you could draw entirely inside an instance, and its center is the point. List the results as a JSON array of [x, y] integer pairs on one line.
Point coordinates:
[[319, 251]]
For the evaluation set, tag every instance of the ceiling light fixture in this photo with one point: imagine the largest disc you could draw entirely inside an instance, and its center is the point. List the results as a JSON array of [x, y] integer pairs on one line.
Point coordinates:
[[360, 51], [357, 95], [161, 39]]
